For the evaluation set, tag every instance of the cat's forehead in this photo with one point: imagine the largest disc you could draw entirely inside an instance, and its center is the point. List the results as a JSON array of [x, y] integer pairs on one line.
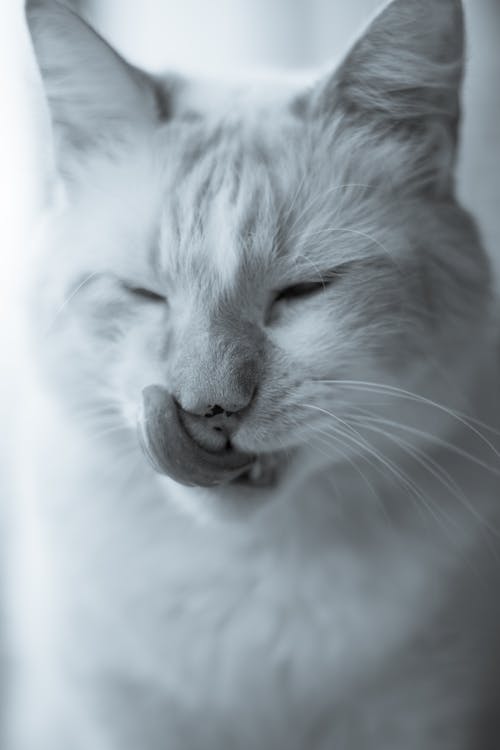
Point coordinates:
[[248, 98], [226, 179]]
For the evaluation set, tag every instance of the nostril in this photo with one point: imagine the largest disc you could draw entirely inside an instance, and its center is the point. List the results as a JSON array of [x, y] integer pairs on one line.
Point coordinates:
[[221, 406]]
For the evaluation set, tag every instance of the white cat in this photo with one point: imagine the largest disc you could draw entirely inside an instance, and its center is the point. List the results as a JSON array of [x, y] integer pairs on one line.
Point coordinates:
[[258, 501]]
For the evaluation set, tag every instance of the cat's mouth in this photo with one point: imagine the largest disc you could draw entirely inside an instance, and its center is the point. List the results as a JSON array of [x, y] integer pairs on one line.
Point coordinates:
[[171, 450]]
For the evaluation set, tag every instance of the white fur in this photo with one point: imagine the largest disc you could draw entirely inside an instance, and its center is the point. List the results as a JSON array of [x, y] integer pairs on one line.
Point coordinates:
[[354, 605]]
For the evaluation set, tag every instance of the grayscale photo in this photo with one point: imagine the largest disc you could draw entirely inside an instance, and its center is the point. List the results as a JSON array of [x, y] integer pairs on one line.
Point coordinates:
[[250, 336]]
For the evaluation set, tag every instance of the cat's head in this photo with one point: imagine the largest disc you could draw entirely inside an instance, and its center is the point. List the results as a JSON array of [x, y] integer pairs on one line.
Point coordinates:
[[251, 270]]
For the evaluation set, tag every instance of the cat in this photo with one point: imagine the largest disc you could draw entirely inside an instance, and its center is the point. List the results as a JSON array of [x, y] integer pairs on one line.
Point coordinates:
[[258, 486]]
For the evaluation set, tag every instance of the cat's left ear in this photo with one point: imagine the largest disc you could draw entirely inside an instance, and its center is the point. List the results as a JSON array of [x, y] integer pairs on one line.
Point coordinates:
[[96, 99], [402, 78]]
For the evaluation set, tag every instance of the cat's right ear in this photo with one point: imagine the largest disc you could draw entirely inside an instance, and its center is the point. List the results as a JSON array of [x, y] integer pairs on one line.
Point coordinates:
[[96, 99]]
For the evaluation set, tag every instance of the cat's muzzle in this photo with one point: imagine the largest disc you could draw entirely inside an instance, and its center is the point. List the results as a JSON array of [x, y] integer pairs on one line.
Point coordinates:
[[171, 450]]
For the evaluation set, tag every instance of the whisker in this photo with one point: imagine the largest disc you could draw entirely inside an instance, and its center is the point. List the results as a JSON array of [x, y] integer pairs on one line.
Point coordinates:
[[438, 472], [435, 439], [365, 445], [69, 299], [351, 461], [402, 393]]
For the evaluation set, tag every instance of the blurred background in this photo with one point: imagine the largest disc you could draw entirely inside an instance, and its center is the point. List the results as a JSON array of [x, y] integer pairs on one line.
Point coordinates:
[[229, 33]]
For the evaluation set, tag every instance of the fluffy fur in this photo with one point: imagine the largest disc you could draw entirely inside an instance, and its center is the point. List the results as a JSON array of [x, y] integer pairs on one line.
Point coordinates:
[[349, 606]]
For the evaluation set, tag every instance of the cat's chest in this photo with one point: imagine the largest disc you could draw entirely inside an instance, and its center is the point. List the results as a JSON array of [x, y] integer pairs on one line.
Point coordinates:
[[151, 611], [231, 609]]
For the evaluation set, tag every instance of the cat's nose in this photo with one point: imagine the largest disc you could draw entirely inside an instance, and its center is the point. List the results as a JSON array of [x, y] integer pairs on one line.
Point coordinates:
[[228, 393], [213, 424], [216, 367], [215, 412], [211, 411]]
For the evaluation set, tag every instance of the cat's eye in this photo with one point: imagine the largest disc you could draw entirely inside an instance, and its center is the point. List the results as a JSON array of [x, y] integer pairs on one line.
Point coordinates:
[[305, 289], [310, 288], [147, 295]]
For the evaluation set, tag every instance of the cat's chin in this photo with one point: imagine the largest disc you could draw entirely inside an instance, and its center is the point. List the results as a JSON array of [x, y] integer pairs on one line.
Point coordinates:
[[235, 499], [265, 473]]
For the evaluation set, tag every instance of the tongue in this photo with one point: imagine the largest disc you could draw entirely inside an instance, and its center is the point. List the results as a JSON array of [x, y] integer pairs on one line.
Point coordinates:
[[172, 451]]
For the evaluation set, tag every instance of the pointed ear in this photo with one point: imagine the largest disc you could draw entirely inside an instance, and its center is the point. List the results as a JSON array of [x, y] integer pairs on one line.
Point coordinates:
[[402, 80], [409, 62], [96, 99]]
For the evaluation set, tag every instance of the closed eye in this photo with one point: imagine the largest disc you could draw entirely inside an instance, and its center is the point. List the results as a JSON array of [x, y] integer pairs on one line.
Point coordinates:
[[309, 288], [305, 289], [148, 295]]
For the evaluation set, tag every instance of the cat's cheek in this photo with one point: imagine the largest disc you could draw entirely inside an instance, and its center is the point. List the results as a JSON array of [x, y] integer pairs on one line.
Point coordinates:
[[310, 344], [107, 321], [141, 362]]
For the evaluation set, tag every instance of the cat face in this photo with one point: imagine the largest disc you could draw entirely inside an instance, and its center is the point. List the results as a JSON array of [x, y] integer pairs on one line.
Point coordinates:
[[229, 269]]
